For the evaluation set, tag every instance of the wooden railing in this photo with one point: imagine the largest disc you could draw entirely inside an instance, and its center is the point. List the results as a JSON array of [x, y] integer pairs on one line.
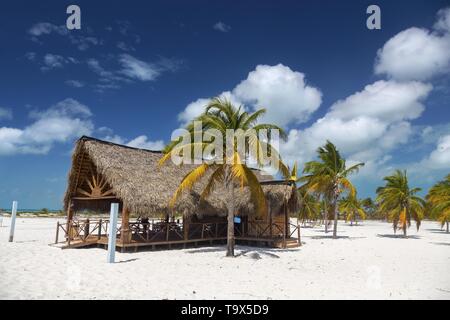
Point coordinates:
[[162, 231]]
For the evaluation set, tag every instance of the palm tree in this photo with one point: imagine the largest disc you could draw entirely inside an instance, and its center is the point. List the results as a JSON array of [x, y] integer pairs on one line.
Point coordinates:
[[228, 167], [352, 208], [369, 207], [439, 200], [399, 202], [329, 176], [309, 206]]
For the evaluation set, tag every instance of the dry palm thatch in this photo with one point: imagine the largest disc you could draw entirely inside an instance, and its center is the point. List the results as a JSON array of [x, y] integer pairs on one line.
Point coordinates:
[[134, 178]]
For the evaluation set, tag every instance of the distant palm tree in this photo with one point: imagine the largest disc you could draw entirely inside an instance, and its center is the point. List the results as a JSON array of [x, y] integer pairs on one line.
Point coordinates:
[[226, 169], [370, 207], [439, 200], [309, 206], [329, 176], [352, 208], [399, 202]]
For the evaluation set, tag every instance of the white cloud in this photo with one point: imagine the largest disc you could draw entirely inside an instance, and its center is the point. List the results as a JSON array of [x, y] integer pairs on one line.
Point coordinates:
[[365, 126], [55, 61], [280, 90], [439, 157], [385, 100], [45, 28], [138, 69], [197, 107], [443, 20], [5, 114], [66, 120], [417, 54], [82, 42], [74, 83], [222, 27], [142, 142]]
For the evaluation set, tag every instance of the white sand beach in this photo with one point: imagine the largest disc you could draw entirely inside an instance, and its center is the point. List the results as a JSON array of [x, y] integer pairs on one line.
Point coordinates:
[[366, 263]]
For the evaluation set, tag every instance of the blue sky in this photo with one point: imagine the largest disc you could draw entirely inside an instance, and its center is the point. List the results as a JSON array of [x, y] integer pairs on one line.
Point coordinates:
[[138, 70]]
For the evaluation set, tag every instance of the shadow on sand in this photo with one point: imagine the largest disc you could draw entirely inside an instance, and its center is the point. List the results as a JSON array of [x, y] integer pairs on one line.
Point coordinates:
[[397, 236], [126, 261], [255, 253], [441, 243], [331, 237]]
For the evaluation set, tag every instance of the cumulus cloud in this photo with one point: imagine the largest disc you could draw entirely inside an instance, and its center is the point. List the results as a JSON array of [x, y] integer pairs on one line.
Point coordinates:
[[364, 126], [222, 27], [384, 100], [66, 120], [439, 158], [279, 89], [417, 53], [195, 108], [282, 91], [5, 114]]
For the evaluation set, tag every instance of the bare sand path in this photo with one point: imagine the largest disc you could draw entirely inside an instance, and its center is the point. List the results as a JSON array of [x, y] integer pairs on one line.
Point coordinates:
[[366, 263]]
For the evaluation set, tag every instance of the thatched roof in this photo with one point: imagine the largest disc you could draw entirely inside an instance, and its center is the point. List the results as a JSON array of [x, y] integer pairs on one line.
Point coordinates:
[[137, 180]]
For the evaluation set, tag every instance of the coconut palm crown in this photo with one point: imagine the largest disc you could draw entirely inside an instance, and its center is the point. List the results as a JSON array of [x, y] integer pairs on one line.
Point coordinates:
[[439, 200], [399, 202], [329, 176]]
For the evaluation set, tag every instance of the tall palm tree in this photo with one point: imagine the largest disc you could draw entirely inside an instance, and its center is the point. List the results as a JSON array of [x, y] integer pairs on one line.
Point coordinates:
[[399, 202], [439, 200], [329, 176], [352, 208], [228, 167]]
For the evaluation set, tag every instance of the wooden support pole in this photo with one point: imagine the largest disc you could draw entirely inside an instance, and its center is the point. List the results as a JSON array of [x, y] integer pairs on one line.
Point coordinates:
[[112, 232], [57, 232], [99, 229], [125, 233], [69, 221], [185, 227], [13, 221], [285, 225]]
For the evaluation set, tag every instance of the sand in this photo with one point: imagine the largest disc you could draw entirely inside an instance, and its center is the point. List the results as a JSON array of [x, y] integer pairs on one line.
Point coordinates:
[[366, 263]]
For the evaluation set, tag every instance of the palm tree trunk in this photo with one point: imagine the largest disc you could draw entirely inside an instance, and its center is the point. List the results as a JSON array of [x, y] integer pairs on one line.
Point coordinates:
[[230, 217], [404, 230], [447, 227], [335, 208]]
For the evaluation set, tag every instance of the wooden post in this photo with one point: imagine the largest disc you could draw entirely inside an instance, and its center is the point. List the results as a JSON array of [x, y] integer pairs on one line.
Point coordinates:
[[270, 221], [13, 221], [99, 229], [86, 229], [298, 233], [57, 232], [285, 225], [112, 232], [69, 220], [185, 227], [125, 237]]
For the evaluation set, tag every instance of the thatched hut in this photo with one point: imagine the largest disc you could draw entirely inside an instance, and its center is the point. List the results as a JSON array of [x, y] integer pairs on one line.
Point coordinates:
[[103, 172]]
